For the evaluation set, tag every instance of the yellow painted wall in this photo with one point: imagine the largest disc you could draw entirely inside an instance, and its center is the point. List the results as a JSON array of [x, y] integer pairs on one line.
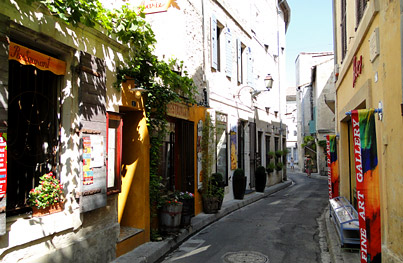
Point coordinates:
[[133, 201], [368, 92], [197, 113]]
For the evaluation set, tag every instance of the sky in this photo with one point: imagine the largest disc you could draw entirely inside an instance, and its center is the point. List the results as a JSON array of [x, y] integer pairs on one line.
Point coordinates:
[[310, 30]]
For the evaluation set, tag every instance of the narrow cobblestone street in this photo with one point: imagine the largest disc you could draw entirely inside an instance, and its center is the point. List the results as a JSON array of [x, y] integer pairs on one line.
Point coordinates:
[[279, 228]]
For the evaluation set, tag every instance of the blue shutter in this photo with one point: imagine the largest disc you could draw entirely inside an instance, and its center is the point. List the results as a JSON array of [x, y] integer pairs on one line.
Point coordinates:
[[228, 49], [239, 59], [214, 50]]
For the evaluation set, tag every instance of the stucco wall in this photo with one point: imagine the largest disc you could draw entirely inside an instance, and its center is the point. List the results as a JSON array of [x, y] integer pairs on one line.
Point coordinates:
[[380, 81], [69, 235]]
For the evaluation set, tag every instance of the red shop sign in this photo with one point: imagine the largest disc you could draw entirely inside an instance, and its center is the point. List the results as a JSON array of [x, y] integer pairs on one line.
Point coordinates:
[[357, 69]]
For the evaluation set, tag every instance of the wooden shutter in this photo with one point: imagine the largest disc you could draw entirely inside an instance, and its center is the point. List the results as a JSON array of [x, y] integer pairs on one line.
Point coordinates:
[[343, 29], [228, 52], [4, 32], [361, 5], [239, 59], [214, 43], [92, 110]]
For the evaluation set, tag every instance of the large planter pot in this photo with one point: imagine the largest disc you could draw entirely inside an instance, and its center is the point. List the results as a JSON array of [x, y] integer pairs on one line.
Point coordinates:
[[187, 211], [55, 208], [260, 179], [211, 204], [170, 218], [239, 184]]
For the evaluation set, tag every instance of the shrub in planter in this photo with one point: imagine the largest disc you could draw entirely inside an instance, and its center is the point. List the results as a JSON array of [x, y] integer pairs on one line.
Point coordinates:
[[260, 179], [279, 154], [213, 193], [239, 184], [271, 155], [279, 166], [270, 168]]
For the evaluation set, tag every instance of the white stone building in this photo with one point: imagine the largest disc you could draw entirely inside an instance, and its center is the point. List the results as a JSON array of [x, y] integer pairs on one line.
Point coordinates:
[[229, 48], [313, 71]]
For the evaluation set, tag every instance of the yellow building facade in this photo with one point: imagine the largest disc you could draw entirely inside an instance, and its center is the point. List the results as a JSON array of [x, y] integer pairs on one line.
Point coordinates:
[[368, 63]]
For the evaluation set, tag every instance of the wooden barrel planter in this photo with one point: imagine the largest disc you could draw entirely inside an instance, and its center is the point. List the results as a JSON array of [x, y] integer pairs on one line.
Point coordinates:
[[170, 218]]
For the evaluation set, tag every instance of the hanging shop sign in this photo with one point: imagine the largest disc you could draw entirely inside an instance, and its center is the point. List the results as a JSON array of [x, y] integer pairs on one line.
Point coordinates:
[[27, 56], [155, 6], [367, 177], [357, 69]]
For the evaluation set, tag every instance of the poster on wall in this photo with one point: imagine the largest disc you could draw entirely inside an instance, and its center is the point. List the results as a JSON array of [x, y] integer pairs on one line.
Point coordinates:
[[367, 178], [199, 154], [234, 162]]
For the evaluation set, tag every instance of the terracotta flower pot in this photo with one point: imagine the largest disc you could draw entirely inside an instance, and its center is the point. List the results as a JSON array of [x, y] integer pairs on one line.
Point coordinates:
[[55, 208]]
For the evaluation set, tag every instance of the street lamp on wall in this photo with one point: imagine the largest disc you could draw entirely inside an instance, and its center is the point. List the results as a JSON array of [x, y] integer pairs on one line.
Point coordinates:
[[268, 83]]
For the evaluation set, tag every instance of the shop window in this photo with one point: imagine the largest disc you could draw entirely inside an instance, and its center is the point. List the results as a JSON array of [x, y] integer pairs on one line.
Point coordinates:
[[221, 145], [114, 152], [33, 141]]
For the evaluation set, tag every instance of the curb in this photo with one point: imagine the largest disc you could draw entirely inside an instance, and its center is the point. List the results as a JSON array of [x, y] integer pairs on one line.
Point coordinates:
[[152, 251]]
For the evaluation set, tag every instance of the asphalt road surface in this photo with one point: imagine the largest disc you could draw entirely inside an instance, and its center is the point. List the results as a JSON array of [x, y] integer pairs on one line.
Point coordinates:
[[279, 228]]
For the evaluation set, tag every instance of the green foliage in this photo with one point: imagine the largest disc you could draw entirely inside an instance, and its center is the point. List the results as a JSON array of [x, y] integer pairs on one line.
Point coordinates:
[[310, 142], [279, 153], [163, 84], [279, 166], [322, 144], [285, 152], [271, 155], [47, 193], [270, 167], [239, 173]]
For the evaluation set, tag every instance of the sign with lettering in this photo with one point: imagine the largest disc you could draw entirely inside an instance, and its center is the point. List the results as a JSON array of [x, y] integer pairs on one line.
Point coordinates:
[[199, 154], [39, 60], [178, 110], [357, 69], [367, 178], [156, 6]]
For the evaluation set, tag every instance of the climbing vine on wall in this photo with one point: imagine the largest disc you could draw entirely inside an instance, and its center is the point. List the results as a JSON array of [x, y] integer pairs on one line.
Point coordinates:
[[162, 83]]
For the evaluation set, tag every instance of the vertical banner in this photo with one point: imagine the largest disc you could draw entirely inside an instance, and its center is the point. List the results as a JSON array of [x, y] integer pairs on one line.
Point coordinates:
[[199, 154], [367, 177], [3, 182], [234, 162], [333, 166]]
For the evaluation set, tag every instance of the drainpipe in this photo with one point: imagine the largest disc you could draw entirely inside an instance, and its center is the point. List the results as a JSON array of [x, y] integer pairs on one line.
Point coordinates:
[[401, 50]]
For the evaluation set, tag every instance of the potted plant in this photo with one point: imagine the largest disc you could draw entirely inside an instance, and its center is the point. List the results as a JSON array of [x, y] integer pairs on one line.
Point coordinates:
[[214, 194], [213, 185], [239, 184], [187, 199], [270, 167], [279, 153], [171, 214], [279, 166], [271, 155], [260, 179], [47, 198]]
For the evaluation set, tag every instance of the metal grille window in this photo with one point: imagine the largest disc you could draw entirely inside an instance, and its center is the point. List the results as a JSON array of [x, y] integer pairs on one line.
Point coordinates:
[[343, 29], [32, 131], [361, 5]]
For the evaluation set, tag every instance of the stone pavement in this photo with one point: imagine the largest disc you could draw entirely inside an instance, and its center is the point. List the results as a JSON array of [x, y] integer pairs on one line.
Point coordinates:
[[330, 244]]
